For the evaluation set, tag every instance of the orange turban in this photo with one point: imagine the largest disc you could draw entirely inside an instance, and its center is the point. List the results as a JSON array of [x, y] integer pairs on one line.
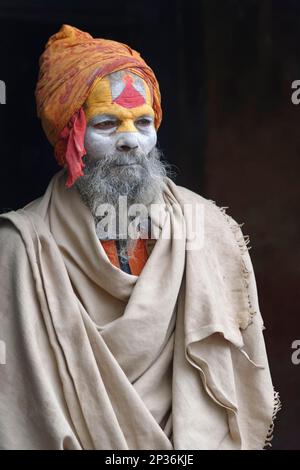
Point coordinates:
[[70, 64]]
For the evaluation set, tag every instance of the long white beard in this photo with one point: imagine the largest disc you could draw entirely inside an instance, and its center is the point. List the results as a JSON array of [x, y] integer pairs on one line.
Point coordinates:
[[105, 180]]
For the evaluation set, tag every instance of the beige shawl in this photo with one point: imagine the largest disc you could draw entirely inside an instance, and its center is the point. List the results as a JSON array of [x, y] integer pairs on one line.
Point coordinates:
[[100, 359]]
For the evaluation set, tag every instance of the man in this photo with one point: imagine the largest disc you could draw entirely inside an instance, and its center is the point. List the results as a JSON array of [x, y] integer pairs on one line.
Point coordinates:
[[132, 327]]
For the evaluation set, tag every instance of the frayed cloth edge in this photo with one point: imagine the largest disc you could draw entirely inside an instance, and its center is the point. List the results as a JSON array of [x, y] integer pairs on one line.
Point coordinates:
[[277, 407], [243, 242]]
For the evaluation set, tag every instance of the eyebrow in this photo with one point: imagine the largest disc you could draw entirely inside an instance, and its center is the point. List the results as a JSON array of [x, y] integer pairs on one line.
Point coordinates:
[[145, 116], [103, 117]]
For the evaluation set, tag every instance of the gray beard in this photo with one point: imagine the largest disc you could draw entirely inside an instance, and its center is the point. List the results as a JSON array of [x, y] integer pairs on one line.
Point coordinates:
[[105, 180]]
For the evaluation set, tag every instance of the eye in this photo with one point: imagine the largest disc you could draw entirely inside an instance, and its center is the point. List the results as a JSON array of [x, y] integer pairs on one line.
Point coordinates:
[[143, 122], [106, 125]]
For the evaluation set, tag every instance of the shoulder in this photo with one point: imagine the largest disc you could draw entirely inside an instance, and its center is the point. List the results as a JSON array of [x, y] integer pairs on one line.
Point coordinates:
[[213, 212], [19, 228], [13, 252], [190, 196], [10, 233], [219, 226]]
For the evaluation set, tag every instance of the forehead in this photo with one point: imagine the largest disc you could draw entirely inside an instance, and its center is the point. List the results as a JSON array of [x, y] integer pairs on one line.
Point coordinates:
[[128, 89], [118, 93]]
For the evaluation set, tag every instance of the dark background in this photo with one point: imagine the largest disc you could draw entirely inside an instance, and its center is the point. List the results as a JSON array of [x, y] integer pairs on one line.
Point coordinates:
[[225, 70]]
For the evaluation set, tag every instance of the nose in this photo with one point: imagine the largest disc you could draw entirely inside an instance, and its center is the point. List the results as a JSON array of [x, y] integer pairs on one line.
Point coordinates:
[[127, 142], [126, 148]]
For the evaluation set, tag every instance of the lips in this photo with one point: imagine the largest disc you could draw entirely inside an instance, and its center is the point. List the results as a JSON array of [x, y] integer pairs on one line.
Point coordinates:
[[126, 164]]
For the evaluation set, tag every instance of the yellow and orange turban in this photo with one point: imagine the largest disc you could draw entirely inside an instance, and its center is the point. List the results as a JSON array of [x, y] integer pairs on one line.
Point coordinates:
[[69, 66]]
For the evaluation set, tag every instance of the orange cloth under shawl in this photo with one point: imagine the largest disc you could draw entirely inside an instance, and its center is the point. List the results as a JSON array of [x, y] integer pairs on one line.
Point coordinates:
[[136, 262]]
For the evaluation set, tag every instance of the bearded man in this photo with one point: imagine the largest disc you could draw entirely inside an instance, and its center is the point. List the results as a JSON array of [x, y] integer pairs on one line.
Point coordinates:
[[148, 341]]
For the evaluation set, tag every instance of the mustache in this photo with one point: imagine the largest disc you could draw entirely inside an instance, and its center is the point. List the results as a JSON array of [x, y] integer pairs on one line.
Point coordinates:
[[116, 159], [127, 159]]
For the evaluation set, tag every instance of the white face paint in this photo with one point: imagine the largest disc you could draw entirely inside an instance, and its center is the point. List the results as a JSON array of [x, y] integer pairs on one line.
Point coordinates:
[[103, 138], [120, 142]]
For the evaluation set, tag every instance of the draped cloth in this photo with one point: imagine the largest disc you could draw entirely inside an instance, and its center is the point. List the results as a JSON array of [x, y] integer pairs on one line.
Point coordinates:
[[100, 359]]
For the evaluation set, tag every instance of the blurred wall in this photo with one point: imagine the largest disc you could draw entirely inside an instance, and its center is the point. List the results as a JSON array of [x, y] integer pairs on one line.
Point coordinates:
[[252, 165]]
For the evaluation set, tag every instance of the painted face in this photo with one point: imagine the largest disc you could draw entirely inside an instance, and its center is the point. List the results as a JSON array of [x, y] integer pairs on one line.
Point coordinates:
[[119, 116]]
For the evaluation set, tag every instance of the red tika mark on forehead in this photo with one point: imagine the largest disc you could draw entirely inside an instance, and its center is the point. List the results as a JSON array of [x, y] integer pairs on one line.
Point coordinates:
[[130, 97]]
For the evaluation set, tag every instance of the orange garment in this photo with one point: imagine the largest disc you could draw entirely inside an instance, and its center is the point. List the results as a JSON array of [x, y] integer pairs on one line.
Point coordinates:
[[138, 256]]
